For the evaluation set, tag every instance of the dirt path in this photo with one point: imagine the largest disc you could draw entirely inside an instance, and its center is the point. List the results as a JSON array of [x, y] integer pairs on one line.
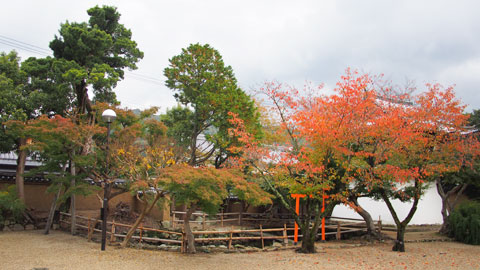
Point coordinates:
[[31, 249]]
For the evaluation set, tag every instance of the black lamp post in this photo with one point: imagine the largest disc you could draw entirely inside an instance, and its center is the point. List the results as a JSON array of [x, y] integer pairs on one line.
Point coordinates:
[[108, 116]]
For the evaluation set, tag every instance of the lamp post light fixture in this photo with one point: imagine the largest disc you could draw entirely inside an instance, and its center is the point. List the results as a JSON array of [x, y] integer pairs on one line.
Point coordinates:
[[108, 116]]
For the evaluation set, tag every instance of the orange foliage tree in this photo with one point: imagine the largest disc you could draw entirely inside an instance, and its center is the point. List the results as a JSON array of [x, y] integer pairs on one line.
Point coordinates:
[[60, 142], [57, 143], [359, 139], [206, 188], [392, 146], [430, 144], [292, 166]]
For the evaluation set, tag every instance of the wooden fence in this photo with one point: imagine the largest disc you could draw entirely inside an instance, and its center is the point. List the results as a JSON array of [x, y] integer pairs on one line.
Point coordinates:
[[338, 226], [241, 218], [89, 224], [233, 218]]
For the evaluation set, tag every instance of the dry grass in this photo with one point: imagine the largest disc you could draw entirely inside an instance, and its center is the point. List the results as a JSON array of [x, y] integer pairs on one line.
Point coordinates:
[[31, 249]]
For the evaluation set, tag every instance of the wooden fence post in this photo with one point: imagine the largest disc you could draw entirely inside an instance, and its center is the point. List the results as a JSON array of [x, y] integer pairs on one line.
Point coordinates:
[[285, 235], [339, 231], [88, 228], [221, 219], [240, 219], [203, 221], [173, 220], [182, 244], [261, 237], [112, 236], [379, 225], [231, 236]]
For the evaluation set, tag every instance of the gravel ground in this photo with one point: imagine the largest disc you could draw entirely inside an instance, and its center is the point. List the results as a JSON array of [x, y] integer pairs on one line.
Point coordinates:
[[33, 250]]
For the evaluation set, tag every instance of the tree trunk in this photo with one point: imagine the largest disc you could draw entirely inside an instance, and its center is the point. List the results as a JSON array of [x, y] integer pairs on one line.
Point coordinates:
[[188, 230], [371, 230], [245, 207], [308, 242], [402, 225], [193, 147], [400, 242], [447, 206], [443, 196], [310, 233], [219, 160], [21, 159], [445, 225], [84, 105], [146, 210], [53, 207], [308, 238], [73, 227], [134, 227]]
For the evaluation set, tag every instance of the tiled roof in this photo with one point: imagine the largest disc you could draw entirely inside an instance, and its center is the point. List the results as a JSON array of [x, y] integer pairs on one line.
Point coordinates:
[[9, 176]]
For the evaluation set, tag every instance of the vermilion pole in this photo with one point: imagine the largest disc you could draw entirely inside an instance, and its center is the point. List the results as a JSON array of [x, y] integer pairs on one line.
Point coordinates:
[[323, 219], [297, 210]]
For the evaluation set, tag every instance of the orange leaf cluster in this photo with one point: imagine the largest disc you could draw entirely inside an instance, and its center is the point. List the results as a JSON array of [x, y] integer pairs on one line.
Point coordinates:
[[373, 134]]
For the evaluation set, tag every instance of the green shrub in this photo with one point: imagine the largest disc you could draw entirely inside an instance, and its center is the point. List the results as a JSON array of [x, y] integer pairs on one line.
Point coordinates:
[[465, 223], [11, 207]]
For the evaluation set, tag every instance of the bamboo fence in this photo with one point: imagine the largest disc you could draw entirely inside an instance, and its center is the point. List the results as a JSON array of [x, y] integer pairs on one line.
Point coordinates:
[[239, 218], [338, 226]]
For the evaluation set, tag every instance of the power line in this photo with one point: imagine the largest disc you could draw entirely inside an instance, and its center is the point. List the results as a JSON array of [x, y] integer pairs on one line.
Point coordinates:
[[147, 81], [145, 76], [139, 77], [26, 44], [17, 44], [22, 47]]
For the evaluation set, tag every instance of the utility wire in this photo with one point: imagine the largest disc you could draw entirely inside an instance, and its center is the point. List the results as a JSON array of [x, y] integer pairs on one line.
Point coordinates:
[[139, 77], [26, 44], [45, 52], [22, 47], [146, 76], [147, 81]]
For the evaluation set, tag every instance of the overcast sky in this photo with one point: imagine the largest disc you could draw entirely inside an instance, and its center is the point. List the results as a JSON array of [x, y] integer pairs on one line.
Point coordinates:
[[287, 41]]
